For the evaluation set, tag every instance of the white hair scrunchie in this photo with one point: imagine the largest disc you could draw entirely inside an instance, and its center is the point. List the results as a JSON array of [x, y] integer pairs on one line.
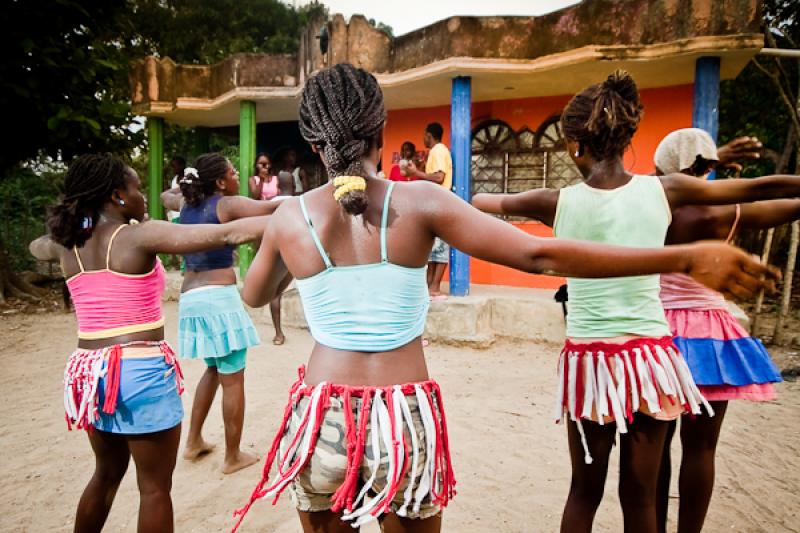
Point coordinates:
[[188, 173]]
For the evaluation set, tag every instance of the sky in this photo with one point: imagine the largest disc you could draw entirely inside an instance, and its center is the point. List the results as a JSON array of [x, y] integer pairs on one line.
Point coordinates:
[[408, 15]]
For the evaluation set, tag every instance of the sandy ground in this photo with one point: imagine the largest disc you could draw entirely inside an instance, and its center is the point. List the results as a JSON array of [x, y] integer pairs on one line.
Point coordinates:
[[510, 460]]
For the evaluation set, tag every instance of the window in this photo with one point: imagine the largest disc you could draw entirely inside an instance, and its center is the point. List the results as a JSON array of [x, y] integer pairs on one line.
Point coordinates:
[[507, 161]]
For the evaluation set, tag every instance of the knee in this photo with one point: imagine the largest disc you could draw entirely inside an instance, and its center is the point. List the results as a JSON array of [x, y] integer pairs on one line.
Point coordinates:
[[636, 493], [110, 475], [155, 488], [699, 445], [586, 494]]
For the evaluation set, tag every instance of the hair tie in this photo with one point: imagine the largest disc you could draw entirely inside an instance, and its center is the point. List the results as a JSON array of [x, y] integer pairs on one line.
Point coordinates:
[[188, 173], [345, 184]]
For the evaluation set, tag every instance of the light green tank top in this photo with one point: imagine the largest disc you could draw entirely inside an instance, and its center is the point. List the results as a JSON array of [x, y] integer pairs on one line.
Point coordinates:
[[636, 214]]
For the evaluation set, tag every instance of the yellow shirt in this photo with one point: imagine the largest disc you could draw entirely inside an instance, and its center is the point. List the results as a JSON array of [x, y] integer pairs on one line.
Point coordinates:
[[439, 160]]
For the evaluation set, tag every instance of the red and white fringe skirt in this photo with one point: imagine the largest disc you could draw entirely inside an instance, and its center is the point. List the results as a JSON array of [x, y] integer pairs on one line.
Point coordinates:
[[384, 415], [607, 382], [84, 371]]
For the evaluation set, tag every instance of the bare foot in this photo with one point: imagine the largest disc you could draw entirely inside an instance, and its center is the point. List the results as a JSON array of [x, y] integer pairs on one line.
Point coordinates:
[[240, 460], [278, 339], [190, 453]]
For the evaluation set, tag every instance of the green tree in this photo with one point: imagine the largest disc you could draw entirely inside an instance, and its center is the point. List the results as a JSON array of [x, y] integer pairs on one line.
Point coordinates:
[[60, 79]]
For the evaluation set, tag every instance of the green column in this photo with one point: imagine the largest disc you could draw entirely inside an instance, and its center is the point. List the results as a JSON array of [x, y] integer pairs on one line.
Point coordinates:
[[247, 154], [155, 166]]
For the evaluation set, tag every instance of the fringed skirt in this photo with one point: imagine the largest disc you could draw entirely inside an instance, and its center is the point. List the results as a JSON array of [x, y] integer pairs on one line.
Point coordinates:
[[361, 451], [606, 382], [725, 361], [131, 388]]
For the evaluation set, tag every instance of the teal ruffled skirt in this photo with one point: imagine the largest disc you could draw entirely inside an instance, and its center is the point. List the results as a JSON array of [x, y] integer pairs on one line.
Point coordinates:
[[213, 323]]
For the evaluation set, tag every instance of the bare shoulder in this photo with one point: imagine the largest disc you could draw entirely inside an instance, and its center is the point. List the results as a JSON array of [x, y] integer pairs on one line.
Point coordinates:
[[287, 217]]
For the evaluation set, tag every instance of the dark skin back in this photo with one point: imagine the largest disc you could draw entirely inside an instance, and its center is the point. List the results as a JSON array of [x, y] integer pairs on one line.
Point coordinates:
[[694, 223]]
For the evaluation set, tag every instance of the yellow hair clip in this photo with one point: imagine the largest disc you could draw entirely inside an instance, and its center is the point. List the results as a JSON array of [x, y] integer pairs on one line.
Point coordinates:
[[346, 184]]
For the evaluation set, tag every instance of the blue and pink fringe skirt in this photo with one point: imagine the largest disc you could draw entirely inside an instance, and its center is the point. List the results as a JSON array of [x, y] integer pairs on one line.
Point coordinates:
[[726, 363]]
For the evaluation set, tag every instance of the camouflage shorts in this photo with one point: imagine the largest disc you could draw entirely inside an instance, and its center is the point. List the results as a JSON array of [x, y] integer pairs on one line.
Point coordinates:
[[314, 486]]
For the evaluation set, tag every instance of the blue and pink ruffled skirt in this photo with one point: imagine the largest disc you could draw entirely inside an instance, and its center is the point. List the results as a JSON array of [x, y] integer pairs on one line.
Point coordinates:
[[726, 363]]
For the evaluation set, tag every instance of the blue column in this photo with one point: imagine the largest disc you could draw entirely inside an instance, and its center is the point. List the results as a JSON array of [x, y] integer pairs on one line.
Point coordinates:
[[705, 113], [461, 146]]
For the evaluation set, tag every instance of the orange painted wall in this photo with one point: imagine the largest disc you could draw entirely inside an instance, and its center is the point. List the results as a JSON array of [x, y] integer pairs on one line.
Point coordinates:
[[665, 109]]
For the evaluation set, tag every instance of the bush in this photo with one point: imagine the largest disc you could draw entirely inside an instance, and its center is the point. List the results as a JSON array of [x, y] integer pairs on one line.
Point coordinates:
[[25, 195]]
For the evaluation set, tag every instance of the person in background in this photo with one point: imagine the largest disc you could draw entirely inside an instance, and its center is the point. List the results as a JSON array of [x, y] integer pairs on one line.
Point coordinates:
[[285, 159], [399, 171], [438, 169], [725, 361], [286, 189], [213, 323], [262, 185], [176, 165]]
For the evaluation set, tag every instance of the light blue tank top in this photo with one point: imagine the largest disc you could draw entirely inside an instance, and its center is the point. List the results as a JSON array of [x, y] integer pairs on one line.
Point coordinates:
[[636, 214], [375, 307]]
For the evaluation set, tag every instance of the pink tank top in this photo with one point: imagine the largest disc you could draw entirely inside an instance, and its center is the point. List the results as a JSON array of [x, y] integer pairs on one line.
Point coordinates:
[[269, 189], [109, 303], [679, 291]]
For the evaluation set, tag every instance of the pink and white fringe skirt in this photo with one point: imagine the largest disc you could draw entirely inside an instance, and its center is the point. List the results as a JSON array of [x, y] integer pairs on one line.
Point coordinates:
[[607, 383]]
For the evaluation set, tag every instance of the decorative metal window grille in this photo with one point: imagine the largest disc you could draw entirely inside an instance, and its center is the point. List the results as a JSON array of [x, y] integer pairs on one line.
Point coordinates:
[[505, 161]]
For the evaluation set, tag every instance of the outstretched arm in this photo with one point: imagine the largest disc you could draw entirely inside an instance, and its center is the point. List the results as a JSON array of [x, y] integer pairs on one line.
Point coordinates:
[[172, 199], [768, 214], [236, 207], [266, 271], [539, 204], [687, 190], [435, 177], [157, 236], [717, 265], [45, 249]]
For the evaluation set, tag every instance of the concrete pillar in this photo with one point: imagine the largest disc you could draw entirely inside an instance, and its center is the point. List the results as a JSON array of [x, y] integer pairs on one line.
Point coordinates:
[[705, 113], [155, 166], [461, 146], [247, 154]]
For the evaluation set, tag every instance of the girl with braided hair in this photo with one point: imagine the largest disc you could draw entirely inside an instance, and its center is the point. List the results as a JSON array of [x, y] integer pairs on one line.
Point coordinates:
[[364, 434], [213, 323], [619, 369], [122, 383]]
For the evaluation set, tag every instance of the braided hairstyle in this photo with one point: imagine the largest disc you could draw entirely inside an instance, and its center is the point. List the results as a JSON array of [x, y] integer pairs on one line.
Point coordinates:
[[88, 185], [342, 115], [200, 182], [604, 116]]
